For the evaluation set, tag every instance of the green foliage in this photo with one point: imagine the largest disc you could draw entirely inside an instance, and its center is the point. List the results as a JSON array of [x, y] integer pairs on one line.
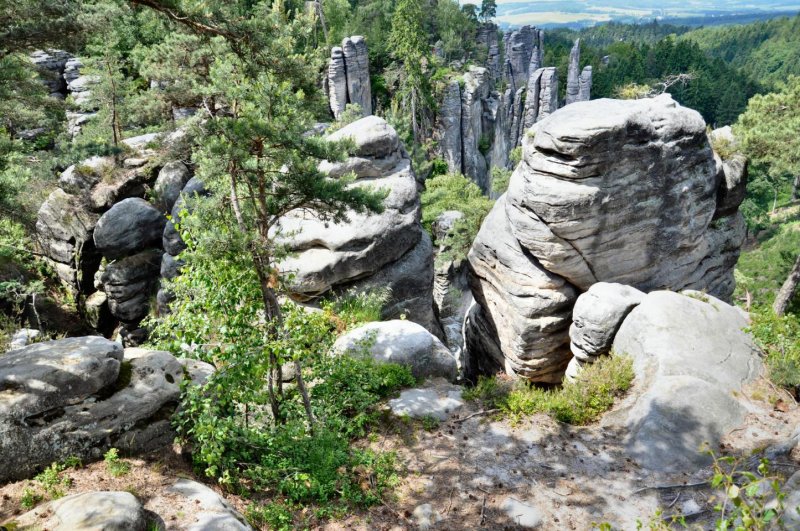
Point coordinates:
[[500, 179], [769, 132], [355, 307], [53, 481], [488, 10], [581, 402], [30, 498], [275, 515], [454, 28], [116, 466], [779, 338], [762, 270], [455, 192], [747, 496], [484, 144], [352, 112], [766, 50], [515, 156]]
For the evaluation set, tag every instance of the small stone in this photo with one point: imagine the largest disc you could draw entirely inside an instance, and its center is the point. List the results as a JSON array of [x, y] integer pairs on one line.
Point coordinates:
[[426, 516], [522, 513]]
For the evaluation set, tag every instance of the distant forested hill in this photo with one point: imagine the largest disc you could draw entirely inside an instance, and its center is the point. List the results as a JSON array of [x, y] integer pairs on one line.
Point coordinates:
[[767, 51]]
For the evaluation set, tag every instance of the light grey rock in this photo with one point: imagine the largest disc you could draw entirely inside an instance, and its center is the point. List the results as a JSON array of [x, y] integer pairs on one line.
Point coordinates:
[[81, 178], [581, 225], [51, 65], [84, 412], [356, 59], [88, 511], [585, 84], [96, 312], [531, 112], [691, 358], [401, 342], [141, 142], [23, 338], [597, 316], [449, 127], [607, 191], [425, 516], [477, 85], [518, 45], [733, 186], [129, 226], [171, 180], [574, 73], [47, 375], [337, 82], [548, 93], [437, 401], [211, 511], [523, 312], [522, 513]]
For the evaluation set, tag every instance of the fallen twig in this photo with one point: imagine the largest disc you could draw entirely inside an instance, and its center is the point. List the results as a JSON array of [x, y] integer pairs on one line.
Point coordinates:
[[675, 500], [482, 412], [665, 487], [483, 511]]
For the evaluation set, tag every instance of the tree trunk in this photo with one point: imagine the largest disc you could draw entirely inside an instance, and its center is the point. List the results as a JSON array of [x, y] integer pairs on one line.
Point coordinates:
[[786, 292], [796, 188]]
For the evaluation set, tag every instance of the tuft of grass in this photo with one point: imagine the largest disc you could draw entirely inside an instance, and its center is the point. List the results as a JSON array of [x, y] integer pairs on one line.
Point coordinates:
[[52, 481], [30, 498], [356, 307], [116, 467], [578, 403]]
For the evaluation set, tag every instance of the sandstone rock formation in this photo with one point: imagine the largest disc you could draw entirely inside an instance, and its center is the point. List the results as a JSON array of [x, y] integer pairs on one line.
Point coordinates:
[[585, 84], [691, 358], [477, 86], [368, 250], [348, 77], [81, 396], [607, 191], [401, 342], [596, 317], [573, 73], [107, 510]]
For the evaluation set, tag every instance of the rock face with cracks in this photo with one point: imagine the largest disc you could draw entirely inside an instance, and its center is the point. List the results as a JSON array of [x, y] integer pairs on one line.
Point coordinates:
[[81, 396], [607, 191], [368, 250]]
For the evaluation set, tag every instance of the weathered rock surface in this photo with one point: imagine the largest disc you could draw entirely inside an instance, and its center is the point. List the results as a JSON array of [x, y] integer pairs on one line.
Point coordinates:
[[585, 84], [438, 400], [368, 250], [607, 191], [210, 510], [88, 511], [596, 317], [348, 77], [171, 180], [130, 226], [477, 85], [574, 73], [81, 396], [449, 127], [130, 283], [401, 342], [518, 46], [691, 358], [23, 337]]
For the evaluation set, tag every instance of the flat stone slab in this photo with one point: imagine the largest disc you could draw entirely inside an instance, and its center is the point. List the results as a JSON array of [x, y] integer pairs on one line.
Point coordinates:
[[438, 402]]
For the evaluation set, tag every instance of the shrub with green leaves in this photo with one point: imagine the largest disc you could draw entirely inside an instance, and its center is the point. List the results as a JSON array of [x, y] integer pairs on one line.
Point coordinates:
[[455, 192], [779, 338], [581, 402]]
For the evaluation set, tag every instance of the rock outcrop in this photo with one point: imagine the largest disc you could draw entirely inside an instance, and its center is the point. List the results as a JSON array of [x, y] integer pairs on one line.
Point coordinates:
[[573, 73], [347, 79], [596, 317], [401, 342], [368, 250], [477, 86], [81, 396], [607, 191], [107, 510], [691, 358]]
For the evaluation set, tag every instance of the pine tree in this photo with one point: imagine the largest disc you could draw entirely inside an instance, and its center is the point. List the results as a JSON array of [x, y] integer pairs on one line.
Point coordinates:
[[488, 10]]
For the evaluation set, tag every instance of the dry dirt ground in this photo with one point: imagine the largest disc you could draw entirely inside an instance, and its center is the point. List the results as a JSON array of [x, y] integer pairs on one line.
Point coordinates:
[[478, 472]]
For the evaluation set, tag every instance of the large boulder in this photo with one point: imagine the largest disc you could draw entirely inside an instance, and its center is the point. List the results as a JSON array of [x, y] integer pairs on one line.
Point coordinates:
[[130, 226], [88, 511], [691, 358], [401, 342], [607, 191], [170, 182], [81, 396], [130, 283], [40, 377], [367, 249]]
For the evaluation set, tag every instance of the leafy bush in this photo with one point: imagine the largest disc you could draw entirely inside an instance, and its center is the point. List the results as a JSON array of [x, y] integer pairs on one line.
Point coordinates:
[[581, 402], [355, 307], [500, 179], [116, 467], [779, 338], [762, 270], [515, 156], [455, 192]]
